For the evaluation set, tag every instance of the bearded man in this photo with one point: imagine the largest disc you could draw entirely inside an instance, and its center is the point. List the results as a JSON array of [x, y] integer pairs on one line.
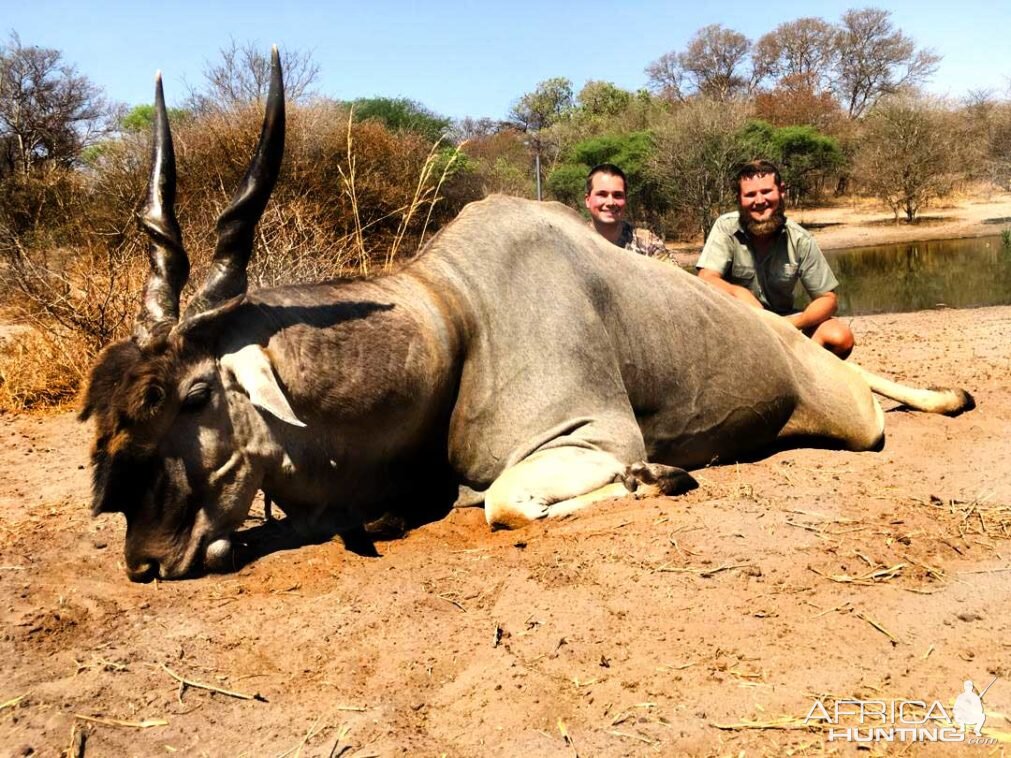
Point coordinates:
[[756, 254]]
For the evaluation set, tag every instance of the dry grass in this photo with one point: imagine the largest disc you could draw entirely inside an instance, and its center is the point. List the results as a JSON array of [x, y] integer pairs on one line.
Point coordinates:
[[39, 371]]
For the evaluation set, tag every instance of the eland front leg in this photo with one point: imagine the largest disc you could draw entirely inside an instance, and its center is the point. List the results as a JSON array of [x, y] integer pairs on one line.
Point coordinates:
[[562, 480]]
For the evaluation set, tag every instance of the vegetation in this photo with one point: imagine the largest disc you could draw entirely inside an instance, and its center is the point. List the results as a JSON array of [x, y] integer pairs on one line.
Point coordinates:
[[910, 153], [835, 103]]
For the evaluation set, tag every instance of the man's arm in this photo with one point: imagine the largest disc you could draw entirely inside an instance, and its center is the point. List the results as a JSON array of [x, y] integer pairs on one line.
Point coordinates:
[[734, 290], [819, 310], [820, 283]]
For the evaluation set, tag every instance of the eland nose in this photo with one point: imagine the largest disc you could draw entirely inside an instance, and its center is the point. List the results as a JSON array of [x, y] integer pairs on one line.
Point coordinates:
[[144, 571]]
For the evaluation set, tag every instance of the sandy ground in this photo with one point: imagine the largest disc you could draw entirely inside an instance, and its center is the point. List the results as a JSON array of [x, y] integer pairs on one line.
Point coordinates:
[[707, 624]]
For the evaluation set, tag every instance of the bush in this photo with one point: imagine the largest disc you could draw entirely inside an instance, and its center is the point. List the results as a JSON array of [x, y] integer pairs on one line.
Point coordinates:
[[350, 199]]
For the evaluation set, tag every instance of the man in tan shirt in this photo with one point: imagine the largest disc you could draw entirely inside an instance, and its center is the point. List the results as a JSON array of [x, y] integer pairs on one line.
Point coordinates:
[[757, 255]]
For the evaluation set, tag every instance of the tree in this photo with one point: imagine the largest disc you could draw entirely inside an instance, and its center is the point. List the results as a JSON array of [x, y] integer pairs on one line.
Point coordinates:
[[697, 150], [910, 152], [48, 112], [140, 118], [402, 114], [502, 162], [242, 75], [990, 142], [468, 128], [598, 98], [666, 77], [715, 62], [805, 157], [802, 52], [551, 101], [714, 65], [875, 59]]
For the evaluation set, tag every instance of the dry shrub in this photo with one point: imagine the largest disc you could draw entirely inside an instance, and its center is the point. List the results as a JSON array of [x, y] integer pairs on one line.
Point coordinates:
[[503, 163], [309, 230], [73, 262], [40, 370]]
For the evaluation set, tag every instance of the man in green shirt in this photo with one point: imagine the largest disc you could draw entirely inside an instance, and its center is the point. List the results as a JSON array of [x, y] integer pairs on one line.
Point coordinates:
[[756, 255]]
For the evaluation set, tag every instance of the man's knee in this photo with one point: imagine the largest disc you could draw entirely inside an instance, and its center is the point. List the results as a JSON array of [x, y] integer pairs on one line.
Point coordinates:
[[835, 336]]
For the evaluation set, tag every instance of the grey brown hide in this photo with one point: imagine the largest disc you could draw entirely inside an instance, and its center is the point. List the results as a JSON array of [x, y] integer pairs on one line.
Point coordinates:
[[520, 357]]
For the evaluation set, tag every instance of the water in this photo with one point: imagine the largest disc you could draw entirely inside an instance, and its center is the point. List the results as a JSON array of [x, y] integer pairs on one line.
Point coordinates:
[[921, 275]]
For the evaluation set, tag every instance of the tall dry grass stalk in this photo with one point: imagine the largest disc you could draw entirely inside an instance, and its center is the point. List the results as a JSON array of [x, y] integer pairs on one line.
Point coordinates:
[[348, 178], [423, 192]]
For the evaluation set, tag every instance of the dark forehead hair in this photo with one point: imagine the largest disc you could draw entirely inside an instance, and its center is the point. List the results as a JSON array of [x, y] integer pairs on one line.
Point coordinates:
[[605, 168], [759, 167]]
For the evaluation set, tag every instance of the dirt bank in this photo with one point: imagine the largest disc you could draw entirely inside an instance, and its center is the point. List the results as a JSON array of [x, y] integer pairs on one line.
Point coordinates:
[[706, 624]]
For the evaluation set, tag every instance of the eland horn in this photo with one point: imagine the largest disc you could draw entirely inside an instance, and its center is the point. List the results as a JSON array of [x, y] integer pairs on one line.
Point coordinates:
[[237, 223], [169, 265]]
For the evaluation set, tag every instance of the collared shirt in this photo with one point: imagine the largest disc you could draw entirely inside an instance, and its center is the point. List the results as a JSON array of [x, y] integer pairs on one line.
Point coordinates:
[[640, 241], [794, 256]]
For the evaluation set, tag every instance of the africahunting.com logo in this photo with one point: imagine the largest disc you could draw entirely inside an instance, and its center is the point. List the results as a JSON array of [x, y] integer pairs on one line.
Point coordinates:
[[905, 720]]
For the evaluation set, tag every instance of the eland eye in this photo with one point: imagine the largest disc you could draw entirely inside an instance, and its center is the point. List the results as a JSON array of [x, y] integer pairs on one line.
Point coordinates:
[[197, 396]]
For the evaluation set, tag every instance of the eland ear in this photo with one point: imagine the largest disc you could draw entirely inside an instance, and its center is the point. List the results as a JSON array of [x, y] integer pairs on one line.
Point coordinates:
[[254, 372]]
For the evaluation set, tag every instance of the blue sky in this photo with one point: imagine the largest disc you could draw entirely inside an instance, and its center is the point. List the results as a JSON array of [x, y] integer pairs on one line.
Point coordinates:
[[463, 58]]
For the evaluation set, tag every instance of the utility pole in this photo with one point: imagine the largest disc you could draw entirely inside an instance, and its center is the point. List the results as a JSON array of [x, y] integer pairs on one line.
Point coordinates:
[[537, 168]]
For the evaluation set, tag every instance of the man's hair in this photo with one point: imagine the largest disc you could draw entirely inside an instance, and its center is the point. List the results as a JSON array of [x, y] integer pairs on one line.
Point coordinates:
[[605, 168], [758, 167]]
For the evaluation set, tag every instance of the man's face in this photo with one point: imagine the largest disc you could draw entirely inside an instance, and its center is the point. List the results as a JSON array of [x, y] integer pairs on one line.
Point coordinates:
[[606, 200], [760, 198]]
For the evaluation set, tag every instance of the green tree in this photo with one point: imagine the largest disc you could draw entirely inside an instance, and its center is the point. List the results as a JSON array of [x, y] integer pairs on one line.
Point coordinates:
[[631, 152], [399, 114], [551, 101], [140, 118], [536, 112], [598, 98], [805, 157]]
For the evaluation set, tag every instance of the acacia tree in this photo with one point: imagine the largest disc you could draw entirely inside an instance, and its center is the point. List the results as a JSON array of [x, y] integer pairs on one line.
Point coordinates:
[[48, 112], [875, 59], [911, 152]]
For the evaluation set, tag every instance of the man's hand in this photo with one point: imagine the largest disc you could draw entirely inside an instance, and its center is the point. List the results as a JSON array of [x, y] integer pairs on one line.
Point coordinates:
[[819, 310], [734, 290]]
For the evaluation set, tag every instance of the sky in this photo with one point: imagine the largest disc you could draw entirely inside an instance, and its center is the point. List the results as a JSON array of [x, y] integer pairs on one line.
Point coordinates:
[[463, 58]]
